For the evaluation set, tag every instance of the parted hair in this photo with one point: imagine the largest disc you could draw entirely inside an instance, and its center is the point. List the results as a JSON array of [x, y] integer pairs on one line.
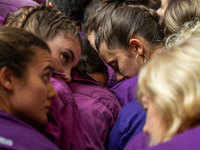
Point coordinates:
[[105, 9], [43, 21], [126, 22], [172, 81], [179, 12], [17, 49]]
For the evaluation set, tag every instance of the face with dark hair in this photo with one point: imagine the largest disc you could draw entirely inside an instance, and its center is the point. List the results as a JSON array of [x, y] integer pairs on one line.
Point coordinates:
[[33, 94], [124, 64], [25, 70], [66, 51]]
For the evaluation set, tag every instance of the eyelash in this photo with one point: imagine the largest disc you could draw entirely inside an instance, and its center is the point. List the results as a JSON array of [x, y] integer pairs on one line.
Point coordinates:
[[65, 57], [47, 77], [114, 67]]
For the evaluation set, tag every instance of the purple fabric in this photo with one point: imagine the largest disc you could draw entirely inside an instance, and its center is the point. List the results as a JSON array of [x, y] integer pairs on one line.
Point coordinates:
[[99, 109], [8, 6], [15, 134], [1, 20], [125, 91], [64, 127], [40, 1], [112, 80], [130, 122], [83, 36], [188, 140]]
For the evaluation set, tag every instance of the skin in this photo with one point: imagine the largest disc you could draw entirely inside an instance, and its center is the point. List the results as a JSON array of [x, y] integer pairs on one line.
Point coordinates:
[[161, 10], [29, 98], [101, 78], [125, 64], [154, 125], [91, 38], [66, 52]]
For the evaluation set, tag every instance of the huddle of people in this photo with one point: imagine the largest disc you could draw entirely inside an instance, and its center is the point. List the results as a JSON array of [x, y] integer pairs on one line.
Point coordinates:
[[100, 74]]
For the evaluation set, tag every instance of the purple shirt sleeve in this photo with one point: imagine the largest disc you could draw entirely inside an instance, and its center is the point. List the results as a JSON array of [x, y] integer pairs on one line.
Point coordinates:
[[8, 6], [130, 122]]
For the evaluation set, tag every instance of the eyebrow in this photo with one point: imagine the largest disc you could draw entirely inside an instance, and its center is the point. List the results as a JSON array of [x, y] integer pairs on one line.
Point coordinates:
[[49, 68], [73, 57]]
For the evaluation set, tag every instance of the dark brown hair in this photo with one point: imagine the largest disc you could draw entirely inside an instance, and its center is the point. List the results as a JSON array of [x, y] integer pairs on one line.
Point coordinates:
[[105, 9], [43, 21], [18, 48], [128, 21]]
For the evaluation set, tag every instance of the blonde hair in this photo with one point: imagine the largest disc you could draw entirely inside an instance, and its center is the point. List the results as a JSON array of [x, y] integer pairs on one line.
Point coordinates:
[[172, 81], [179, 12], [189, 29]]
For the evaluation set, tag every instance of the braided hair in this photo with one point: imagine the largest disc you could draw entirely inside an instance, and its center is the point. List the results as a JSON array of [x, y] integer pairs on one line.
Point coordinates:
[[43, 21]]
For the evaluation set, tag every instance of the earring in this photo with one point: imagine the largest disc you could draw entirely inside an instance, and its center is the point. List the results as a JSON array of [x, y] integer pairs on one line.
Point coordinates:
[[143, 61]]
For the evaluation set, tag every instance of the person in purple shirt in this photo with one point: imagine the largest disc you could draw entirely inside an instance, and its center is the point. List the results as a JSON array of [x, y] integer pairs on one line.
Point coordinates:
[[140, 43], [98, 106], [8, 6], [64, 127], [26, 90], [170, 94]]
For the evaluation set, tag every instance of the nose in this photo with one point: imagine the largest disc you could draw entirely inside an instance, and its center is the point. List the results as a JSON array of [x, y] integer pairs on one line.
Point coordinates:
[[52, 93], [119, 76], [68, 77]]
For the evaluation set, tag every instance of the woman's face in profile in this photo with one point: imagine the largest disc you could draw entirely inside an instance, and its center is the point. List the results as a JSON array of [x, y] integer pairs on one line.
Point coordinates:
[[34, 92], [154, 125], [66, 52], [124, 65]]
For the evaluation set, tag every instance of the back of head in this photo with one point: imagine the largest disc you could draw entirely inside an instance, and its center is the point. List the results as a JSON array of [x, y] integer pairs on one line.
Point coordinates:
[[179, 12], [126, 22], [17, 48], [73, 9], [105, 9], [90, 60], [172, 81], [43, 21], [188, 30]]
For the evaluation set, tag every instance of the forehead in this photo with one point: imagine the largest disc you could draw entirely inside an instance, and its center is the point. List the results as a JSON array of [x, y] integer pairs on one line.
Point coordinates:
[[109, 55], [41, 59], [68, 40]]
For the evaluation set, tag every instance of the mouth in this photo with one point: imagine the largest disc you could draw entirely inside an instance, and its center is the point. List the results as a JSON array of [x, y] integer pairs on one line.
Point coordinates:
[[47, 109]]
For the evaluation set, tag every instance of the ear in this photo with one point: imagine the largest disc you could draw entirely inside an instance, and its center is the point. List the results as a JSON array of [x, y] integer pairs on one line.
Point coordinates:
[[50, 4], [6, 78], [137, 46]]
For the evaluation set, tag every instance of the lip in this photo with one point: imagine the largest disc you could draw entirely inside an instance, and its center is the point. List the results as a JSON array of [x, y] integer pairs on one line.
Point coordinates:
[[47, 109]]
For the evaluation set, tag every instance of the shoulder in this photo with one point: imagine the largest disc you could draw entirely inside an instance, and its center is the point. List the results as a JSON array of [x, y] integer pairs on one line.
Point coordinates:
[[18, 135]]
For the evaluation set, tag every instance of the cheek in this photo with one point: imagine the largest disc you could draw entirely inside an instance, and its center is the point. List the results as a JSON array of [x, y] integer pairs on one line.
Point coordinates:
[[57, 64]]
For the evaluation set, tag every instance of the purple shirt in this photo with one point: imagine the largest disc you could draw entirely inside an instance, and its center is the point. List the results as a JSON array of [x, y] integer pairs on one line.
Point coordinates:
[[112, 80], [40, 1], [125, 91], [130, 122], [16, 134], [188, 140], [8, 6], [99, 110], [64, 127]]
